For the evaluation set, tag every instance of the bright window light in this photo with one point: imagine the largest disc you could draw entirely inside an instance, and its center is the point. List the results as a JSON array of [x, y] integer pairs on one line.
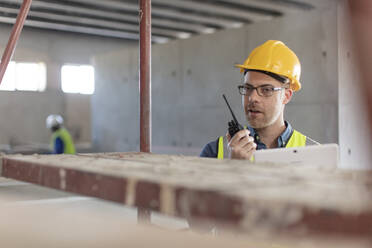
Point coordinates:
[[9, 79], [78, 79], [24, 77], [30, 77]]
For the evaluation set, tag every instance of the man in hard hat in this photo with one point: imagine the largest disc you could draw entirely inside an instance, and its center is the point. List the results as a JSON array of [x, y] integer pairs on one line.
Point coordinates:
[[271, 75], [61, 140]]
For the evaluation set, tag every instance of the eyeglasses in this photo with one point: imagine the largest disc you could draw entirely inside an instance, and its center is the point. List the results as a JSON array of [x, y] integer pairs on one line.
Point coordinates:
[[263, 90]]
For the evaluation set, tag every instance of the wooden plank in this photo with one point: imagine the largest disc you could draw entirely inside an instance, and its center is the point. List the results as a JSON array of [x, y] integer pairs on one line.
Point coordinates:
[[60, 227], [228, 194]]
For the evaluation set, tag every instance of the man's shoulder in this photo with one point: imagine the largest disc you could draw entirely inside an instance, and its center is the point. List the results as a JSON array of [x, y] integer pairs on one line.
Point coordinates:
[[210, 150]]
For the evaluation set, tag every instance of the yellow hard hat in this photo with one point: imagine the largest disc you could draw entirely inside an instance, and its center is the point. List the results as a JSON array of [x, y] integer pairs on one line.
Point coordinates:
[[275, 57]]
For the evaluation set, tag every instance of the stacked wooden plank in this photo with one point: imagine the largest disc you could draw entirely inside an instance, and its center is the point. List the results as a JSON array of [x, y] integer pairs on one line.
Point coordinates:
[[276, 199], [45, 226]]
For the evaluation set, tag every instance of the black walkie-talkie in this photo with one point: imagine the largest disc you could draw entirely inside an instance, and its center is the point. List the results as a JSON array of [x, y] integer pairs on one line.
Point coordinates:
[[234, 125]]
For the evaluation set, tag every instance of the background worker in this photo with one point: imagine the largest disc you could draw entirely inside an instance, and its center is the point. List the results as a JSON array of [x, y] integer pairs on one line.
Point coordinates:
[[271, 75], [61, 141]]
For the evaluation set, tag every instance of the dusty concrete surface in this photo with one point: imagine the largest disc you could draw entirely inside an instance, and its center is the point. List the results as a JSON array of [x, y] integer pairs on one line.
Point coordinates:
[[230, 193], [26, 196], [98, 228], [74, 221]]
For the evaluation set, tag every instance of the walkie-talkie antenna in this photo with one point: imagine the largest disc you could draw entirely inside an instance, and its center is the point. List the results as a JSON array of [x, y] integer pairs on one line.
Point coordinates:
[[228, 105]]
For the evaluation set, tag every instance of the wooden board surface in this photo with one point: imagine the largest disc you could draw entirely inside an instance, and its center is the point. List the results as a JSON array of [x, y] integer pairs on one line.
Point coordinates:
[[234, 194], [52, 226]]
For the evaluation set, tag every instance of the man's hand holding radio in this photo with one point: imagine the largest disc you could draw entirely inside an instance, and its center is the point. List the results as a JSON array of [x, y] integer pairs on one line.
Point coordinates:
[[241, 146]]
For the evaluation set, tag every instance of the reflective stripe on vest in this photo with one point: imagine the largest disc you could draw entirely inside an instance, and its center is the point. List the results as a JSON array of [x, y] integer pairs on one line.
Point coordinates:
[[65, 136], [297, 140], [220, 148]]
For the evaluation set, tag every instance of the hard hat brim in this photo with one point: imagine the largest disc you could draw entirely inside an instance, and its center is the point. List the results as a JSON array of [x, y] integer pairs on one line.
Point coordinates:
[[294, 84]]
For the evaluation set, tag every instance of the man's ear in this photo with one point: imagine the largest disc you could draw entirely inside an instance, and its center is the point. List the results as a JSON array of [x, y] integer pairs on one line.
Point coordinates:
[[288, 93]]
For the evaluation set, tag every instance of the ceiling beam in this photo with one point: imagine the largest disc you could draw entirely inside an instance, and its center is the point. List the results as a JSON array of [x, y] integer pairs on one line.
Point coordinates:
[[84, 30], [215, 9], [156, 11], [315, 3], [161, 23], [269, 5], [171, 18], [99, 23]]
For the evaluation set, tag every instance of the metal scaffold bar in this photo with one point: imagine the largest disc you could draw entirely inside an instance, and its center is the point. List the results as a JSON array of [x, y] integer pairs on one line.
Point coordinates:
[[145, 86], [13, 39]]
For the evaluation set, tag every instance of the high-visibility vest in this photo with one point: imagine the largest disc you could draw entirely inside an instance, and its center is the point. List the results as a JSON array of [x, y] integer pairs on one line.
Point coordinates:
[[297, 140], [64, 135]]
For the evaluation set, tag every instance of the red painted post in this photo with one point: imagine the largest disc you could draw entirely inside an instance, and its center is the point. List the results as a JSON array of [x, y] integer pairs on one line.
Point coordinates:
[[13, 39], [145, 75], [145, 87]]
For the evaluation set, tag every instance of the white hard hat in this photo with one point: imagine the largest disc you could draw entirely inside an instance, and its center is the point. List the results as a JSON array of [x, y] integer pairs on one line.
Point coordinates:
[[53, 121]]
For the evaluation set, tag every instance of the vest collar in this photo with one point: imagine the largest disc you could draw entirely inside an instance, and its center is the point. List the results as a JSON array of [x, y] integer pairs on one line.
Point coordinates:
[[282, 139]]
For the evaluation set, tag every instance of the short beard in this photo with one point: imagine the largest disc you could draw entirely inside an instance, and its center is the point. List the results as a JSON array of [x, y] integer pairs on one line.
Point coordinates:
[[261, 124]]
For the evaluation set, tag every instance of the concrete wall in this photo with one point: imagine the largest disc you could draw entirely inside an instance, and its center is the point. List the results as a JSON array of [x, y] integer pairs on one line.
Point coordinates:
[[23, 113], [189, 77], [115, 109], [354, 136]]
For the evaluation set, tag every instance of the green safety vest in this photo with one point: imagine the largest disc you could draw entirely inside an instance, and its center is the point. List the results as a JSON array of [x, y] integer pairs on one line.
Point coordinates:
[[64, 135], [297, 140]]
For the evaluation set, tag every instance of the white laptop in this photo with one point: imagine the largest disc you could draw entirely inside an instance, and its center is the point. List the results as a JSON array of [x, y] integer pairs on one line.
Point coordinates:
[[326, 156]]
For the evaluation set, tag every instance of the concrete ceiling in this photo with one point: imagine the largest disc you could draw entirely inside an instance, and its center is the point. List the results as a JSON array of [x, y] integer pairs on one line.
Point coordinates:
[[171, 19]]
